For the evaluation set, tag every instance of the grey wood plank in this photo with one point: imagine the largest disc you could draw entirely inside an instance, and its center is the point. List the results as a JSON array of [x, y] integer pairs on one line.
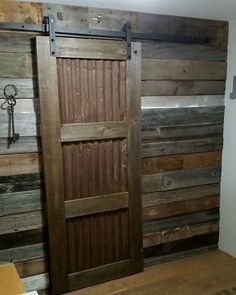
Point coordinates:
[[166, 197], [27, 88], [17, 43], [165, 50], [176, 147], [177, 101], [21, 222], [17, 65], [172, 117], [161, 69], [180, 179], [215, 32], [183, 220], [19, 202], [67, 15], [26, 144], [37, 282], [23, 253], [178, 87], [180, 132], [93, 131], [26, 124]]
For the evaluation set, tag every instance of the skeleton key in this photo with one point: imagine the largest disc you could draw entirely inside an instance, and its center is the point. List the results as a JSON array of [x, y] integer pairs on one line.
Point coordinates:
[[12, 136], [10, 92]]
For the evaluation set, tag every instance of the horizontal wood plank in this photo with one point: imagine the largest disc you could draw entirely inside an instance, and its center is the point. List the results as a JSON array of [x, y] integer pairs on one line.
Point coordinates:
[[175, 147], [21, 222], [160, 69], [181, 162], [98, 49], [20, 202], [178, 87], [23, 253], [31, 267], [17, 65], [166, 197], [22, 238], [27, 88], [180, 208], [93, 131], [37, 282], [176, 101], [181, 132], [165, 50], [26, 144], [172, 117], [180, 179], [17, 43], [98, 204], [99, 274], [182, 220], [180, 233], [20, 164]]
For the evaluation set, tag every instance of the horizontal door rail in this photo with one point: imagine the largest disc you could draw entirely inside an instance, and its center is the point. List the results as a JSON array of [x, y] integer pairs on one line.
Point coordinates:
[[98, 204]]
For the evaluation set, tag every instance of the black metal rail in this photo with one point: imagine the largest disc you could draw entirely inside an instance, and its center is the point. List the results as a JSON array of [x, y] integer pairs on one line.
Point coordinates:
[[49, 27]]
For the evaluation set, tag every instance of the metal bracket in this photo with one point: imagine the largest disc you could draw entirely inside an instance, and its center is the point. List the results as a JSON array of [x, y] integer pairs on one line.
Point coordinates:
[[50, 30], [233, 94], [128, 30]]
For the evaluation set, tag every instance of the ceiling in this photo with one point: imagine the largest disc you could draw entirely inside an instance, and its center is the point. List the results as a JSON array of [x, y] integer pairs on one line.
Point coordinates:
[[212, 9]]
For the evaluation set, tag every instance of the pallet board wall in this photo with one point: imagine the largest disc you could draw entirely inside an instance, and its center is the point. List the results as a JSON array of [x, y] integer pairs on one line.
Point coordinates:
[[182, 126]]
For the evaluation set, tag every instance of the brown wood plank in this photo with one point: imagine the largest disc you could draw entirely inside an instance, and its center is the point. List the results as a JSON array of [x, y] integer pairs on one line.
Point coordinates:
[[160, 198], [93, 131], [183, 207], [134, 157], [98, 204], [99, 274], [53, 172], [91, 49], [21, 12], [150, 87], [181, 162], [32, 267], [179, 233], [20, 164], [160, 69], [180, 179]]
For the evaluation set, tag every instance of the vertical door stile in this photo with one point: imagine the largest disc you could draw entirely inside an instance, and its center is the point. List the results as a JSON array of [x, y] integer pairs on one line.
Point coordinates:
[[134, 157], [52, 164]]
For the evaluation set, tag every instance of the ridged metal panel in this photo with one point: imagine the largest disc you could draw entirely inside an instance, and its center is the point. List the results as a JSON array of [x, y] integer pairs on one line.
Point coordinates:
[[95, 168], [94, 91], [97, 240]]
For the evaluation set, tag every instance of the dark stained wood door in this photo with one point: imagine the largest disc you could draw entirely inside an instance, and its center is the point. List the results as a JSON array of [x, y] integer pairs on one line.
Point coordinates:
[[90, 128]]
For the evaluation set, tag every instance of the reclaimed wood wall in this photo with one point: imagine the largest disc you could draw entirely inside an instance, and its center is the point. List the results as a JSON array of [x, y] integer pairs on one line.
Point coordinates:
[[182, 121]]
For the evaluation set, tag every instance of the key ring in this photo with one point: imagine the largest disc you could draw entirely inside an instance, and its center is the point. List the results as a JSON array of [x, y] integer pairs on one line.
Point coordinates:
[[10, 91]]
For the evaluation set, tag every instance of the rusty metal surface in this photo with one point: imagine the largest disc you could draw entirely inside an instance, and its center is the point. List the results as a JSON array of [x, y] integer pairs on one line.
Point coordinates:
[[94, 91]]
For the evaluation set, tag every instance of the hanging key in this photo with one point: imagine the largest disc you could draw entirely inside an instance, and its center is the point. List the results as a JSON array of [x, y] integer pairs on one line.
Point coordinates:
[[12, 136], [10, 92]]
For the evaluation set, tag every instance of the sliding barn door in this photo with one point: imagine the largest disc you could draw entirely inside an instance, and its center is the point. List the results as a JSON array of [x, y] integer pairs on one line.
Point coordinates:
[[90, 129]]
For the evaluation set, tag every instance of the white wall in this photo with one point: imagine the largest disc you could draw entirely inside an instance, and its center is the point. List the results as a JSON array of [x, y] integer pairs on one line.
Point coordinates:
[[228, 184]]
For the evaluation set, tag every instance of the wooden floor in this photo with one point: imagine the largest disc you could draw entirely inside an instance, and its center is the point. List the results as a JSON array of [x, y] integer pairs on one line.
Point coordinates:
[[212, 273]]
